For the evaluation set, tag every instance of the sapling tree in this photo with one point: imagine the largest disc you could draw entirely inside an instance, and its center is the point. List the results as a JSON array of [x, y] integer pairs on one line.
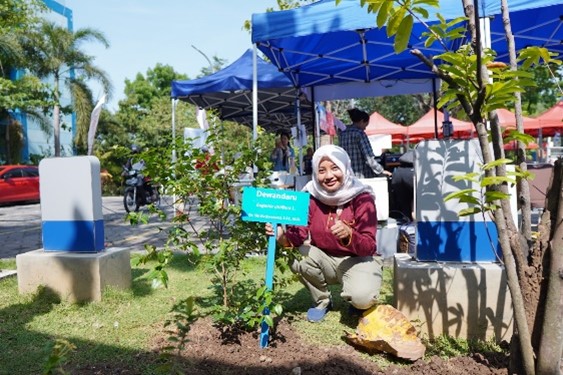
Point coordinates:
[[205, 180], [480, 85]]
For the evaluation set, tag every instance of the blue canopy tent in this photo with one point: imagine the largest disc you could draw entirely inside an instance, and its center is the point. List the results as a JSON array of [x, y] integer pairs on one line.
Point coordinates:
[[229, 92], [324, 43], [337, 51]]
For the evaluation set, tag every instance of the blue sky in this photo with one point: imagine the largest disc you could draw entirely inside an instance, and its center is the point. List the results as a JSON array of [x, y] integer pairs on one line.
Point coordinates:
[[143, 33]]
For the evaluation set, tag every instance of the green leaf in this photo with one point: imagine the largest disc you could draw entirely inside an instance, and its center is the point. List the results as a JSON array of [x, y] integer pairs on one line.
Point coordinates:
[[278, 309], [469, 211], [515, 135], [469, 199], [496, 180], [496, 163], [491, 207], [403, 34], [384, 13], [459, 194], [449, 57], [446, 97], [473, 177], [260, 292], [491, 196], [268, 320], [429, 41], [454, 70], [395, 22]]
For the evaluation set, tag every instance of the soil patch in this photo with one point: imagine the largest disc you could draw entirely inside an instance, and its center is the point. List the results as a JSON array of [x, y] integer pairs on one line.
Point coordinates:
[[211, 351]]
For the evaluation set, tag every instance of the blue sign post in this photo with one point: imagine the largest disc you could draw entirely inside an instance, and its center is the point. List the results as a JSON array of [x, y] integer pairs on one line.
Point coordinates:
[[275, 207]]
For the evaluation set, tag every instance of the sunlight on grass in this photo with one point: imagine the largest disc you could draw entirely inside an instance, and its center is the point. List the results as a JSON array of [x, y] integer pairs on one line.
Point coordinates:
[[445, 347], [338, 321], [7, 264], [127, 322], [112, 330]]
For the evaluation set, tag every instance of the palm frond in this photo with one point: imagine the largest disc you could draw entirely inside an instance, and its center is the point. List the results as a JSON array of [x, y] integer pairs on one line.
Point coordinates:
[[43, 121], [82, 105]]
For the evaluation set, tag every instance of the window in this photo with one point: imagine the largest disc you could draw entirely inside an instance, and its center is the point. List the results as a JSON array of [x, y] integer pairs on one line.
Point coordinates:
[[31, 172], [14, 173]]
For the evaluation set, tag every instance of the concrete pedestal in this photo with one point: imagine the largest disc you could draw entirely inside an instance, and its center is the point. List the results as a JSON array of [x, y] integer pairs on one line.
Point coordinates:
[[75, 277], [462, 300]]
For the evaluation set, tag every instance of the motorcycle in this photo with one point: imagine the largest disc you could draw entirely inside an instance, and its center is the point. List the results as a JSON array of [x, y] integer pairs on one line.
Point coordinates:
[[138, 190]]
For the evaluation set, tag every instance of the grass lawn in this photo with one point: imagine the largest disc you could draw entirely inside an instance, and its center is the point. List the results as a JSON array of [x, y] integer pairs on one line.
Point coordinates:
[[124, 324]]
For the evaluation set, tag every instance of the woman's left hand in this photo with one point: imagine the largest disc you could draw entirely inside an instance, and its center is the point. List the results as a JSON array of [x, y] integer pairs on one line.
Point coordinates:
[[341, 230]]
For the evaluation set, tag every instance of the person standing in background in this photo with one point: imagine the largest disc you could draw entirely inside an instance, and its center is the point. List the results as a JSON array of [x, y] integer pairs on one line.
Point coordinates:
[[283, 155], [277, 154], [356, 143]]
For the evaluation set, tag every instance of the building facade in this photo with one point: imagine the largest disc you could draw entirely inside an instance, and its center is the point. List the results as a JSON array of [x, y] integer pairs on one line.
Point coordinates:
[[37, 143]]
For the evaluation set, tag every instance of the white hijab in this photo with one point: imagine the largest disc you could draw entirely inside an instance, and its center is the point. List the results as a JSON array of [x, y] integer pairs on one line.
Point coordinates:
[[351, 186]]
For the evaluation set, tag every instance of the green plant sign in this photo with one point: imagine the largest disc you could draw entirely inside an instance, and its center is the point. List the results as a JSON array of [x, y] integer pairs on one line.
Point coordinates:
[[276, 207]]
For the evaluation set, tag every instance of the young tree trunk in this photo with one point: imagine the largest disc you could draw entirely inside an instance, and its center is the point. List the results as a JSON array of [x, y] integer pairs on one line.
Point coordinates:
[[523, 186], [57, 129], [544, 279], [508, 235], [550, 324], [57, 116], [540, 274]]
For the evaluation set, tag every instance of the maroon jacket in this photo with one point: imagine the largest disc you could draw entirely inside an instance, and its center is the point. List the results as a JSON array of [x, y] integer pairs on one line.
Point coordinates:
[[359, 214]]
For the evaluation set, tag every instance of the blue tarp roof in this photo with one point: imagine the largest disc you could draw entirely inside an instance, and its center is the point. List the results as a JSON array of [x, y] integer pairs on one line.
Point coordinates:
[[324, 43], [229, 91]]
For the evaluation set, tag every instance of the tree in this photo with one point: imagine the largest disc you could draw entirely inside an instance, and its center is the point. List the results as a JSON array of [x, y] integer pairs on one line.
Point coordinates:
[[400, 109], [547, 90], [534, 281], [146, 111], [17, 16], [217, 64], [25, 93], [54, 53]]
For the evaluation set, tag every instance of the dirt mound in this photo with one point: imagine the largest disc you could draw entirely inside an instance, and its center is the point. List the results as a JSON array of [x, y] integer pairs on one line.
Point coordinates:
[[211, 351]]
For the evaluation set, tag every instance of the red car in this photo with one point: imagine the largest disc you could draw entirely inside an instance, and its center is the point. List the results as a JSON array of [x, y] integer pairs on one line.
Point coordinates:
[[19, 183]]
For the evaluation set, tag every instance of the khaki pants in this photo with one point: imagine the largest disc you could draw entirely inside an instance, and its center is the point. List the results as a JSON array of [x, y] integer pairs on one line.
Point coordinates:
[[360, 276]]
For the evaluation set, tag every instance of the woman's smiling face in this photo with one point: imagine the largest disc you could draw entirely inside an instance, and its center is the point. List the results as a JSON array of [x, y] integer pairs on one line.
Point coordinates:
[[330, 177]]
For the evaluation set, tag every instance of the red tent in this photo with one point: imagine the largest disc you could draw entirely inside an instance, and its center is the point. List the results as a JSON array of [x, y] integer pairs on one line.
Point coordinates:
[[507, 120], [551, 121], [380, 125], [424, 127]]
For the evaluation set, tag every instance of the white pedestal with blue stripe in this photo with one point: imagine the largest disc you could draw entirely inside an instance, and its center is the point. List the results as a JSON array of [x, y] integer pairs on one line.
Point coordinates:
[[442, 235], [71, 204]]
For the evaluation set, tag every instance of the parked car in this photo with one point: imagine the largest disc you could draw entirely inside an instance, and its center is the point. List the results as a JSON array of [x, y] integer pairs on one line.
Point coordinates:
[[19, 183]]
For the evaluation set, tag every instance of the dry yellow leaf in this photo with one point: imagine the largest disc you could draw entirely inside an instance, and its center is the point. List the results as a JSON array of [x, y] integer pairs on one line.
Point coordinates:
[[384, 328]]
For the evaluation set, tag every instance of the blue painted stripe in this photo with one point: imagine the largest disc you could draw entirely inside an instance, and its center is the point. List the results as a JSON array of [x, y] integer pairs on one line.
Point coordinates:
[[457, 241], [73, 236], [61, 9]]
